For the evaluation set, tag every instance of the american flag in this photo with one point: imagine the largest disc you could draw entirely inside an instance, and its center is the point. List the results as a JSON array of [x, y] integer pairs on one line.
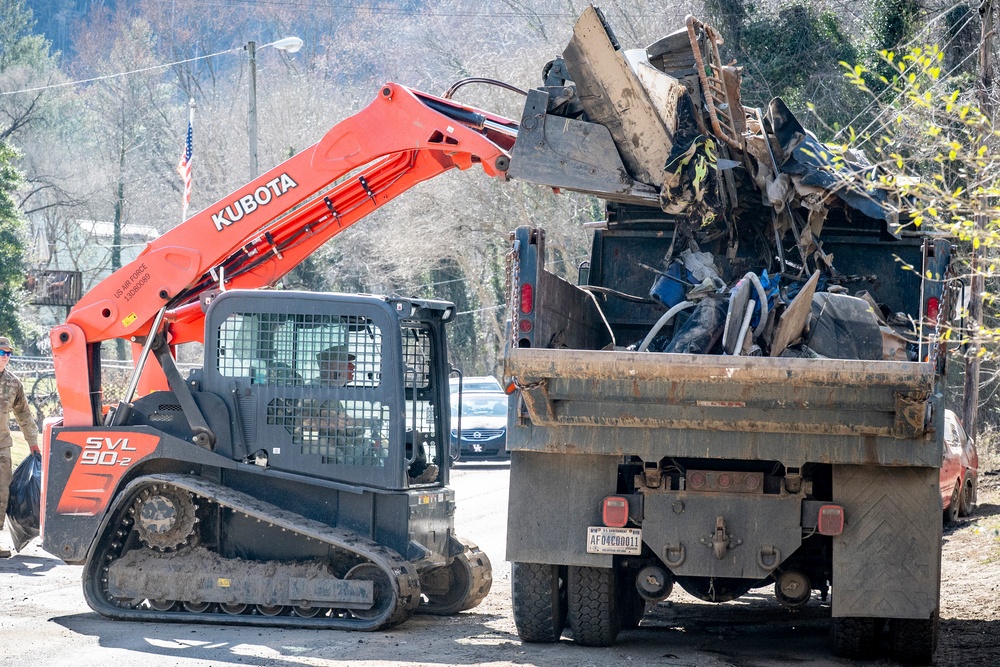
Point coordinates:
[[184, 167]]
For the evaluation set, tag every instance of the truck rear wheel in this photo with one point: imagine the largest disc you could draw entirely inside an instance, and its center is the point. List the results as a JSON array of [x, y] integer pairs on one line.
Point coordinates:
[[538, 593], [592, 603], [913, 641], [852, 637]]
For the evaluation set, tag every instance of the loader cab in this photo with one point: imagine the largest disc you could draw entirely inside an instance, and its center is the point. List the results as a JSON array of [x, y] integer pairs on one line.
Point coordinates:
[[334, 386]]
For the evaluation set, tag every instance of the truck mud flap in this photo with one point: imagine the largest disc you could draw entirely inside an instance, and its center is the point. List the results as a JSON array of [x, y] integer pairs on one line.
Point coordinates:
[[887, 562], [553, 499]]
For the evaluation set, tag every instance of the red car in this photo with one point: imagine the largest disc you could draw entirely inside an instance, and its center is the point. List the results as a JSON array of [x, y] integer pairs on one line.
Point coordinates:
[[959, 470]]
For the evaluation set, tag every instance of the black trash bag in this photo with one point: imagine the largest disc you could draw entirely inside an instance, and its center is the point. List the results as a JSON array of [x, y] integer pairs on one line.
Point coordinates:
[[702, 332], [844, 327], [25, 505]]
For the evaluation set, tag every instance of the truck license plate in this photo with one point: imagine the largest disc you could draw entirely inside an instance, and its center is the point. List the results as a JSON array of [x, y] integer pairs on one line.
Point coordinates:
[[604, 540]]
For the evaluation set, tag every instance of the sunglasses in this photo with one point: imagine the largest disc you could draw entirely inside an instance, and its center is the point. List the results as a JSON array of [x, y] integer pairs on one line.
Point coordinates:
[[6, 353]]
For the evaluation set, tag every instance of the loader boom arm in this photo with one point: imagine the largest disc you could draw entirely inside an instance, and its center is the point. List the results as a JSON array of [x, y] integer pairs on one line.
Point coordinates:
[[263, 230]]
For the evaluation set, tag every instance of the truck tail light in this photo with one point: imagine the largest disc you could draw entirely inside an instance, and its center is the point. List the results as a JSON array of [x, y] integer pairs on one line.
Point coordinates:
[[614, 511], [527, 298], [831, 520], [933, 309]]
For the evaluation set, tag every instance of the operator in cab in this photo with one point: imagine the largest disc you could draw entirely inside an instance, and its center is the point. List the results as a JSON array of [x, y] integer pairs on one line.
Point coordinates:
[[335, 433]]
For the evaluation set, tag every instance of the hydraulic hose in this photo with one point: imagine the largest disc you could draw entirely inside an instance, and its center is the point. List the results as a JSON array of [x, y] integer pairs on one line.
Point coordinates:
[[660, 323]]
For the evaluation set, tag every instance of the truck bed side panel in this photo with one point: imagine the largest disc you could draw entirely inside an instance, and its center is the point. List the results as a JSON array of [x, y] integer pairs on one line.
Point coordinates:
[[567, 317]]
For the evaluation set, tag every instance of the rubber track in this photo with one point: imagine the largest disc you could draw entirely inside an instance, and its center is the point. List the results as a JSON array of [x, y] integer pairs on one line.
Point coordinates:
[[539, 612], [406, 581], [593, 606]]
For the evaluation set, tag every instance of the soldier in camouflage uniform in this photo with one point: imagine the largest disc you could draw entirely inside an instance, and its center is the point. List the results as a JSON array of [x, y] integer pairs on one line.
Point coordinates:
[[12, 400]]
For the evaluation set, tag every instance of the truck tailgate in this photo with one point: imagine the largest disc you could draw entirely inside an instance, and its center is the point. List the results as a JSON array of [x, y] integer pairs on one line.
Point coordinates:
[[857, 402]]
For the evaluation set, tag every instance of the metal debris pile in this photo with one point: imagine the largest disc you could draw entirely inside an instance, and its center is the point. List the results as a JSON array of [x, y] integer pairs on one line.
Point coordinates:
[[747, 193]]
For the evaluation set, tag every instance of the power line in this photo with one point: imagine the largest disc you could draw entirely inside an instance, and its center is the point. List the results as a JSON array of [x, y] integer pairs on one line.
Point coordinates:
[[118, 74], [414, 290], [402, 11], [481, 310]]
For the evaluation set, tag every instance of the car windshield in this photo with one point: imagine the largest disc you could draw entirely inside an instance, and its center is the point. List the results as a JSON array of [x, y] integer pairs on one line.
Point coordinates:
[[480, 405], [488, 383]]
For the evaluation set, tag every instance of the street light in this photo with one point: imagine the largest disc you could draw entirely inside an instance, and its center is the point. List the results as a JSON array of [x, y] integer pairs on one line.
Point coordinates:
[[289, 44]]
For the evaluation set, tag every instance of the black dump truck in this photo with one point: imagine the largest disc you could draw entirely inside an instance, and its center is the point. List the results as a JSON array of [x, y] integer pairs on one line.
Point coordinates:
[[744, 388]]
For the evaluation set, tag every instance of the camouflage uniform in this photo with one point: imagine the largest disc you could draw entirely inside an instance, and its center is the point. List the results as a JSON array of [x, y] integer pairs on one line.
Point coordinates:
[[12, 400]]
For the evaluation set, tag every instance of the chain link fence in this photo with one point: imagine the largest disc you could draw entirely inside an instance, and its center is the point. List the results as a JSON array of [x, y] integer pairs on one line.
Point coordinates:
[[37, 376]]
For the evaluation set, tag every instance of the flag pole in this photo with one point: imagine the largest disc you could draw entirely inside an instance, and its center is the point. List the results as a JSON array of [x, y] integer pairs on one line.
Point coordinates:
[[186, 162]]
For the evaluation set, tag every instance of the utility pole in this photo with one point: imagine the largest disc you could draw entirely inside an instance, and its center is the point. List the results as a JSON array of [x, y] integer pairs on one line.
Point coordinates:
[[289, 44], [970, 403], [252, 109]]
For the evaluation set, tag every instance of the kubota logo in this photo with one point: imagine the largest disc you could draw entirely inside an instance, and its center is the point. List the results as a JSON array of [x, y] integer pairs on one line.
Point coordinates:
[[249, 203]]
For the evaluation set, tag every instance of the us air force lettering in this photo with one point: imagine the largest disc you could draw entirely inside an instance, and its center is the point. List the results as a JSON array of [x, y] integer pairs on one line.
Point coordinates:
[[247, 204]]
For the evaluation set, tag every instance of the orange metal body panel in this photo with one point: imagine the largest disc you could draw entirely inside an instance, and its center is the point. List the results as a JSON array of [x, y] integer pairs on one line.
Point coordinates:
[[105, 459], [264, 229]]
